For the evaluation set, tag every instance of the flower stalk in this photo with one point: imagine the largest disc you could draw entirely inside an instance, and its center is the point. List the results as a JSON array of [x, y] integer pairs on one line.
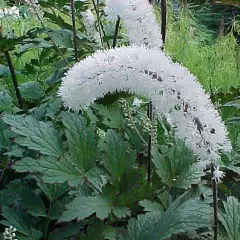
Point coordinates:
[[215, 203], [74, 30]]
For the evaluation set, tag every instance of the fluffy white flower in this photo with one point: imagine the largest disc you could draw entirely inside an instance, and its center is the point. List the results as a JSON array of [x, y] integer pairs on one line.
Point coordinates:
[[217, 174], [139, 20], [137, 102], [173, 91], [89, 23]]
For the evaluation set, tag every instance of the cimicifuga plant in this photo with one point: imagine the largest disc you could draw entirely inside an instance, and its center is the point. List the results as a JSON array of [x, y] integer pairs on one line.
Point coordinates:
[[143, 69]]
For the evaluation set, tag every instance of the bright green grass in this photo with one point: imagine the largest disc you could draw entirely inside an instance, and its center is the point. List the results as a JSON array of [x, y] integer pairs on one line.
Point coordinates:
[[215, 65]]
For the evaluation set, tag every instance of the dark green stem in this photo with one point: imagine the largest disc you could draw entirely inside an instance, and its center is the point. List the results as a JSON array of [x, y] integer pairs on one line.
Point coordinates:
[[14, 79], [116, 32], [215, 205], [164, 19], [74, 30]]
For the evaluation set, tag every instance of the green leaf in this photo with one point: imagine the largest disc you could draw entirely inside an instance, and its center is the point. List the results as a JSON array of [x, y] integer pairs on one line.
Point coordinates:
[[83, 207], [118, 159], [4, 141], [82, 140], [37, 135], [174, 166], [121, 212], [65, 232], [53, 171], [52, 191], [5, 101], [112, 116], [230, 219], [32, 203], [31, 91], [179, 217], [151, 206], [97, 178], [21, 222], [192, 176]]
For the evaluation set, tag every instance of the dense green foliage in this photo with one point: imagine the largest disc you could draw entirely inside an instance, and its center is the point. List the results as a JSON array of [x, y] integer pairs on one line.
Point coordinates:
[[86, 175]]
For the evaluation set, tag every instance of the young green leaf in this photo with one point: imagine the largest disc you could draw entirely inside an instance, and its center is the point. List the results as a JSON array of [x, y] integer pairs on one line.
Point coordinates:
[[118, 159], [36, 135], [82, 207], [82, 140], [112, 116], [151, 206], [174, 166], [31, 91]]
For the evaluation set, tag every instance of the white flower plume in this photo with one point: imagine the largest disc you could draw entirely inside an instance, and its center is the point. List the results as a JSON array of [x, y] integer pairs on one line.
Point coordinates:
[[173, 91], [139, 20], [89, 23]]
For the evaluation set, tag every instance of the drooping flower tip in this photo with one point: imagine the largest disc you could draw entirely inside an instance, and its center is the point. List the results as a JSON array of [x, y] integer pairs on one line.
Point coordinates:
[[139, 20], [218, 174]]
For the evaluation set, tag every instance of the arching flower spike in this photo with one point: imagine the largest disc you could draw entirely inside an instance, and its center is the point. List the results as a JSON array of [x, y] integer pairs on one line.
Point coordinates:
[[173, 91], [139, 20]]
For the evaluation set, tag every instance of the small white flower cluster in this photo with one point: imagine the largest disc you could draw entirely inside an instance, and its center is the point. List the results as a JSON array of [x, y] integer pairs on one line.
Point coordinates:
[[89, 24], [218, 174], [139, 20], [11, 12], [9, 233]]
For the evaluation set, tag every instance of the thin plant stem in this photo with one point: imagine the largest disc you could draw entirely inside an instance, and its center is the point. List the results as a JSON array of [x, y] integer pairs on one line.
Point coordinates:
[[150, 116], [14, 79], [116, 33], [74, 30], [164, 19], [45, 29], [98, 20], [13, 75], [215, 205]]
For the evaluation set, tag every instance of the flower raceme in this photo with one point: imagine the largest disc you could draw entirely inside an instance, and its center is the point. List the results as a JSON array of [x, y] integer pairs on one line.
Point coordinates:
[[148, 72], [139, 21]]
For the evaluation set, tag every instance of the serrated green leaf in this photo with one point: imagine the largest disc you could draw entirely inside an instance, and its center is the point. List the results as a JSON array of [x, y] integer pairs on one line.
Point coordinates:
[[5, 101], [4, 141], [82, 207], [176, 165], [36, 135], [151, 206], [21, 222], [121, 212], [117, 159], [97, 178], [82, 140], [59, 206], [192, 176], [31, 91], [53, 171], [179, 217], [230, 219], [32, 203], [65, 232], [112, 116], [52, 191]]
